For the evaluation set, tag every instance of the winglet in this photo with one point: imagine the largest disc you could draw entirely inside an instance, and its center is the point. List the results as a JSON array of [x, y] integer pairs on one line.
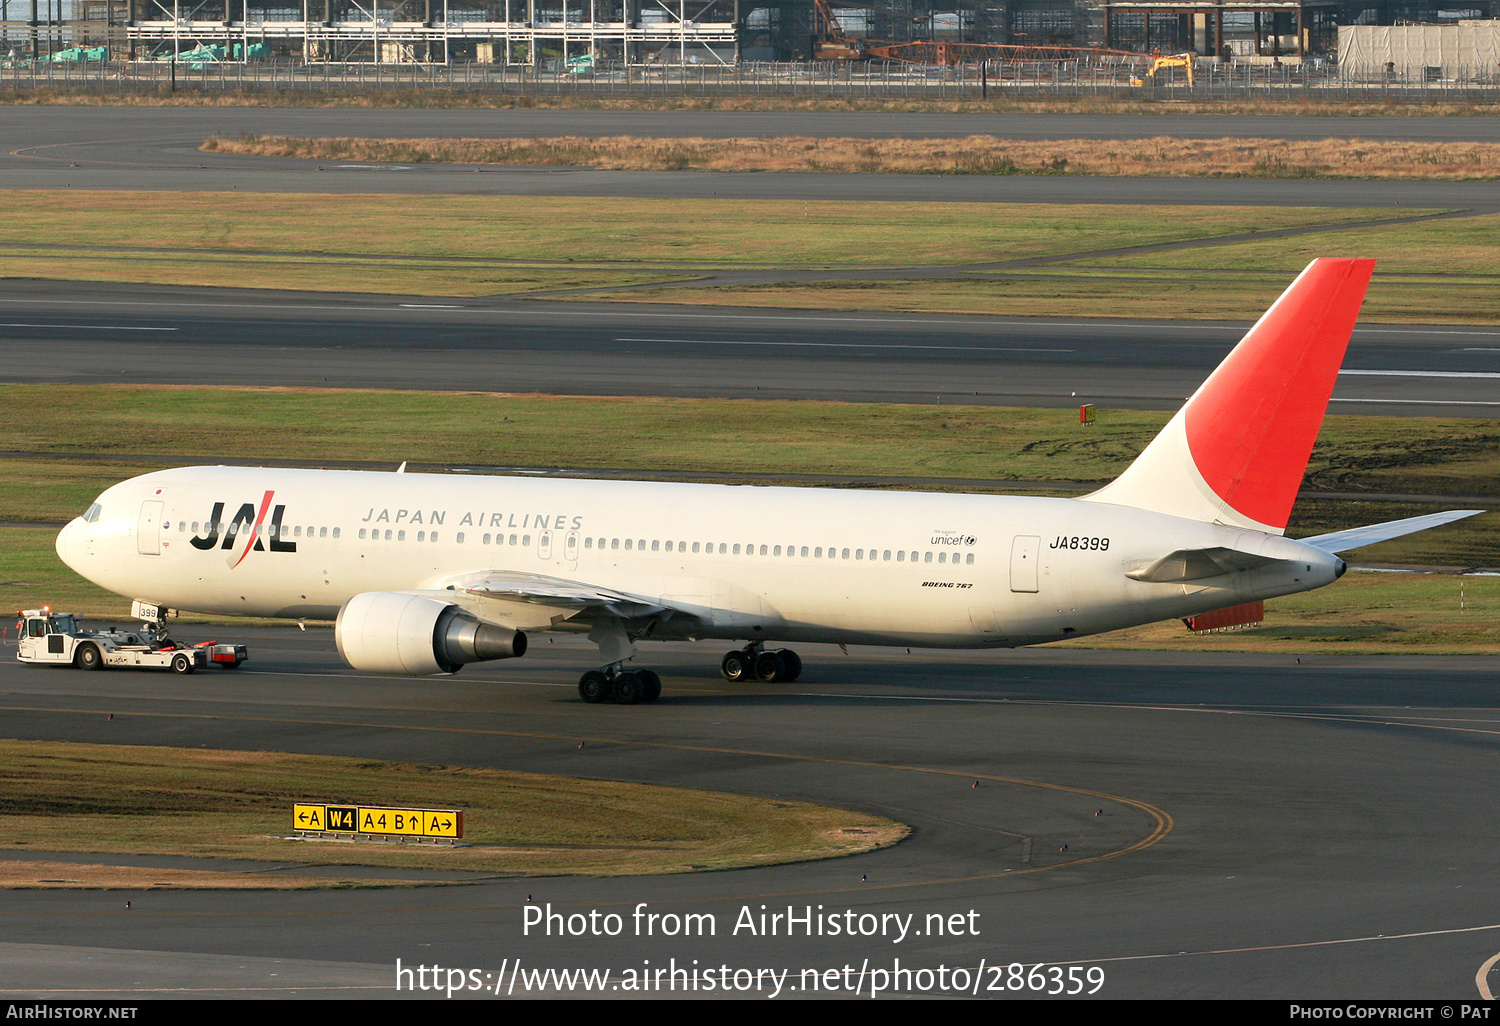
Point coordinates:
[[1236, 453]]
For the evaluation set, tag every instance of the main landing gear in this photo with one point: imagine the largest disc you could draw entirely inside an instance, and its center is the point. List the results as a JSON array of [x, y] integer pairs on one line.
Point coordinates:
[[625, 687], [754, 663]]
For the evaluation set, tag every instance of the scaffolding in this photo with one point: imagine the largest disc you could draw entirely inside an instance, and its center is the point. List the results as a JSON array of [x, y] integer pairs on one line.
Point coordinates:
[[553, 34]]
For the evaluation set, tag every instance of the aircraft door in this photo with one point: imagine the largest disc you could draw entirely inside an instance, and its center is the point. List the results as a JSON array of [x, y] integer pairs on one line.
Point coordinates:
[[570, 549], [148, 529], [1025, 553]]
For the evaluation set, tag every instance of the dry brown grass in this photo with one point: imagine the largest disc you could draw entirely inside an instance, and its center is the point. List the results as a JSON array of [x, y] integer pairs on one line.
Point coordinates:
[[974, 155]]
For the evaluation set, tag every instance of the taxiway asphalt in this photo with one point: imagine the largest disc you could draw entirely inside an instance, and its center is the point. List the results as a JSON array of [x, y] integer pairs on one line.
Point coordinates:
[[1236, 826], [97, 333]]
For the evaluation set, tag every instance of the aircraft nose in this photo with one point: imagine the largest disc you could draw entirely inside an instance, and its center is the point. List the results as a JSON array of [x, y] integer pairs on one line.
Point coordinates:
[[67, 541]]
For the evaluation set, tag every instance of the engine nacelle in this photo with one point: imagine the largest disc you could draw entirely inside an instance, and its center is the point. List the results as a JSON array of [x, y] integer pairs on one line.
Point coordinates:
[[389, 632]]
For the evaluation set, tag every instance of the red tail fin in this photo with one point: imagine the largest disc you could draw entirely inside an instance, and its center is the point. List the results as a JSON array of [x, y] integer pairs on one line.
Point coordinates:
[[1237, 451]]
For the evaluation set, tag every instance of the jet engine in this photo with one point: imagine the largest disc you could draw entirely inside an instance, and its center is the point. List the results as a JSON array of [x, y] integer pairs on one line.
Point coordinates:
[[392, 632]]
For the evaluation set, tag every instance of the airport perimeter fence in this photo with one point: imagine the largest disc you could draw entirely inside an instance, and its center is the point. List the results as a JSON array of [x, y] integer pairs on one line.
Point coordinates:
[[1237, 80]]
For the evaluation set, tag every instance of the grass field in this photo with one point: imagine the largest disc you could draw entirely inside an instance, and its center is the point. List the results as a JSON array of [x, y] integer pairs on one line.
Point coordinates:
[[1362, 612], [133, 799], [1354, 453], [624, 233], [1162, 157], [1458, 298], [1445, 271]]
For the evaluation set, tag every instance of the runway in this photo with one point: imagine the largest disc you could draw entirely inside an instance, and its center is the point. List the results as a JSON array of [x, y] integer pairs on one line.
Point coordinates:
[[1267, 829], [157, 148], [84, 332]]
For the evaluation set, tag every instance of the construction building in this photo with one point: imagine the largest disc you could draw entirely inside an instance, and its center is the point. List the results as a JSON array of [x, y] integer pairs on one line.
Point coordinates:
[[557, 34]]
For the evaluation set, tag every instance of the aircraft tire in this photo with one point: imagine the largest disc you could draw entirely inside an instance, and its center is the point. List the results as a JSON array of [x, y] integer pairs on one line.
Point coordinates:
[[653, 685], [593, 687], [628, 688], [770, 668], [737, 666], [791, 663], [89, 657]]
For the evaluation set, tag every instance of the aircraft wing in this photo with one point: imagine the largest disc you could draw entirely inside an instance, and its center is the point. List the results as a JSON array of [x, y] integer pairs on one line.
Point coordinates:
[[541, 590], [1357, 537], [537, 602]]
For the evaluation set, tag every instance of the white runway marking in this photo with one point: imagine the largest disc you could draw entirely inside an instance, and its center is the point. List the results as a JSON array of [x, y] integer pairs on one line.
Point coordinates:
[[1418, 374], [90, 327], [847, 345], [1422, 402]]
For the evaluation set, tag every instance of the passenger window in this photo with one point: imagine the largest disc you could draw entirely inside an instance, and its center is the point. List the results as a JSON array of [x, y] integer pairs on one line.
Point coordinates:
[[725, 545], [886, 555], [846, 553], [776, 551], [762, 550], [969, 559], [655, 546], [401, 536], [588, 543], [901, 555], [627, 544], [927, 557], [388, 534], [818, 552], [336, 533], [942, 557], [695, 547], [433, 537], [804, 552], [421, 536], [459, 537], [736, 548]]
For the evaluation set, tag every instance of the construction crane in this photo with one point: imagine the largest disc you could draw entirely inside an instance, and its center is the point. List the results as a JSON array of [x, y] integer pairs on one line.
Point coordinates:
[[832, 42]]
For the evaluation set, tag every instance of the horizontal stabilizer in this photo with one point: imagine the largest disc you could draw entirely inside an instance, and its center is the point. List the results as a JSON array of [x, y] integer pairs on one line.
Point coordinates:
[[1358, 537], [1197, 564]]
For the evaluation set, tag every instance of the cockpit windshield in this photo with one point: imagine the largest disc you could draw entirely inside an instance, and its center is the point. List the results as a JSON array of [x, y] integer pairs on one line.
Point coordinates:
[[92, 513]]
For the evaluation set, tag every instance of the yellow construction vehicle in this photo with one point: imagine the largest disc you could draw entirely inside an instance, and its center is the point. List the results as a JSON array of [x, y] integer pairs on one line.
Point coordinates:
[[1176, 60]]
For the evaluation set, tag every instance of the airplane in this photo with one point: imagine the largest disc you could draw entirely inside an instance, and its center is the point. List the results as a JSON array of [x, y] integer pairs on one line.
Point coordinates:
[[426, 573]]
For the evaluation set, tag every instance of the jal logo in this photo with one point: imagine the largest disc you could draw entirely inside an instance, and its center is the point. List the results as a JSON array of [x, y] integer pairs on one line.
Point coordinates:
[[247, 531]]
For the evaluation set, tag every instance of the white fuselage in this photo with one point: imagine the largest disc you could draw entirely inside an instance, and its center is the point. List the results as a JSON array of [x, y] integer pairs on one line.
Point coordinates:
[[787, 564]]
